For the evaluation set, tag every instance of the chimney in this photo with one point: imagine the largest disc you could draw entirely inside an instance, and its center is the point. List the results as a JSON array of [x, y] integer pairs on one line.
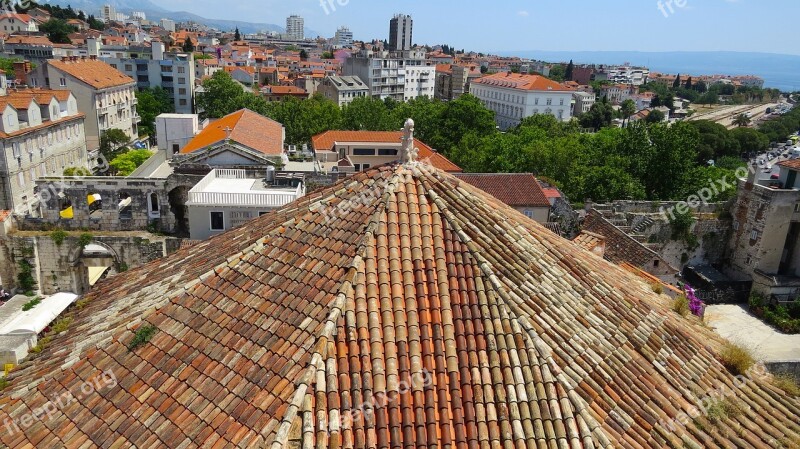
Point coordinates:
[[83, 57], [64, 59], [93, 57], [21, 70]]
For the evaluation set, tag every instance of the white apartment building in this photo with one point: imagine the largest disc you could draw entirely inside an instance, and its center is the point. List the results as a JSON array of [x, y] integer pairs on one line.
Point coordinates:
[[12, 22], [583, 102], [343, 38], [295, 26], [623, 74], [106, 95], [167, 24], [41, 134], [514, 97], [108, 13], [401, 76], [343, 89]]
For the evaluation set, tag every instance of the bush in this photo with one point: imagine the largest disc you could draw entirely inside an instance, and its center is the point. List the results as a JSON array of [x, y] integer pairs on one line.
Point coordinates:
[[25, 276], [722, 409], [736, 359], [85, 239], [681, 305], [61, 325], [787, 384], [657, 288], [143, 335], [58, 236], [31, 304], [3, 383]]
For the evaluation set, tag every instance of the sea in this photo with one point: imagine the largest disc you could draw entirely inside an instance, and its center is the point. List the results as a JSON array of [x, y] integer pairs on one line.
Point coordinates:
[[778, 70]]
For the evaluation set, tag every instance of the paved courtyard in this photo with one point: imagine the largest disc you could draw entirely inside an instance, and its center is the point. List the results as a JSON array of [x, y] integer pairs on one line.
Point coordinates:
[[736, 324]]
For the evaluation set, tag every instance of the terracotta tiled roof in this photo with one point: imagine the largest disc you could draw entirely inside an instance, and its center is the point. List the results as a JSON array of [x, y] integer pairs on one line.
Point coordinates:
[[447, 318], [246, 128], [327, 140], [514, 189], [591, 242], [793, 164], [43, 96], [93, 72], [521, 81], [29, 40], [620, 247]]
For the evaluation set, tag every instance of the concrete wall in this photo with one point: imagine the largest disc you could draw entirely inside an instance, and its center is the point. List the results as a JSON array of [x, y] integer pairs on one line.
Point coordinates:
[[200, 219]]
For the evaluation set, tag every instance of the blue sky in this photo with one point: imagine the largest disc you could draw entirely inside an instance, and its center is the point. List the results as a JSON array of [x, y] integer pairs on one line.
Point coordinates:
[[558, 25]]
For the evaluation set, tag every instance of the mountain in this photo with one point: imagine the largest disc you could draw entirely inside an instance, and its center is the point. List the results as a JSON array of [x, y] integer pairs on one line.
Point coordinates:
[[779, 71], [155, 12]]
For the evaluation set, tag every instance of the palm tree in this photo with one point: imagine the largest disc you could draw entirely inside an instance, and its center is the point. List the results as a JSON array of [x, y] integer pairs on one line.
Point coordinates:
[[741, 120], [628, 108]]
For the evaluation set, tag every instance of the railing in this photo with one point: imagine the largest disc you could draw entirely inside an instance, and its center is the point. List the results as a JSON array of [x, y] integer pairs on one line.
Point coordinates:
[[266, 199]]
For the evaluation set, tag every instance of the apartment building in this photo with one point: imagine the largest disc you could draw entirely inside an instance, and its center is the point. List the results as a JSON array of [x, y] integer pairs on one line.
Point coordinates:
[[343, 89], [583, 102], [295, 26], [42, 133], [624, 74], [453, 81], [401, 31], [343, 38], [514, 97], [106, 95], [14, 23], [174, 72], [401, 76]]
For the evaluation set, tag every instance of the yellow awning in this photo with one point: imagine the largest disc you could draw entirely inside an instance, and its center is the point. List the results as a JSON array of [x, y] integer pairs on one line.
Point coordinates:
[[68, 213]]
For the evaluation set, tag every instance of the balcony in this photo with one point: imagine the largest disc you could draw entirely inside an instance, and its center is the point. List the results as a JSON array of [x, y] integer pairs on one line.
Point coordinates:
[[232, 188]]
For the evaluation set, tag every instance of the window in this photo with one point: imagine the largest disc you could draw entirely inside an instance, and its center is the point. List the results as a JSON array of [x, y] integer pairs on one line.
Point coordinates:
[[797, 207], [62, 82], [181, 69], [182, 102], [528, 213], [181, 80], [549, 101], [182, 91], [562, 102], [387, 152], [217, 221], [754, 235], [363, 152], [128, 67]]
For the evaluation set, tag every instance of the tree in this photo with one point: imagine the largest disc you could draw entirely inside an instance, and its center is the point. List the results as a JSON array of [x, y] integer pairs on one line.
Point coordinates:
[[463, 115], [303, 54], [599, 116], [689, 83], [557, 72], [236, 35], [188, 45], [741, 120], [677, 83], [628, 108], [112, 143], [367, 114], [95, 24], [570, 71], [484, 69], [58, 31], [327, 55], [126, 163], [152, 103], [222, 96], [655, 116]]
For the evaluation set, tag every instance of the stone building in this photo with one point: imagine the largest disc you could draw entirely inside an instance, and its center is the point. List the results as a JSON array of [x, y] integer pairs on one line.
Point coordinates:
[[42, 133], [106, 95], [766, 238]]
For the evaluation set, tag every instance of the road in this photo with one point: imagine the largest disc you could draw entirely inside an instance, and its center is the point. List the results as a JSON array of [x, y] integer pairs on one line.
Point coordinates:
[[726, 115]]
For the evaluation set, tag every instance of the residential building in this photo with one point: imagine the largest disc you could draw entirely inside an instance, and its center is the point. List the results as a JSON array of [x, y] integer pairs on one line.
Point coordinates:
[[295, 28], [514, 97], [766, 232], [520, 191], [458, 321], [343, 89], [453, 80], [583, 102], [106, 95], [360, 150], [617, 93], [278, 93], [624, 74], [42, 133], [241, 139], [343, 38], [174, 72], [108, 13], [30, 48], [401, 30], [227, 199], [167, 25], [401, 76], [11, 22], [175, 131]]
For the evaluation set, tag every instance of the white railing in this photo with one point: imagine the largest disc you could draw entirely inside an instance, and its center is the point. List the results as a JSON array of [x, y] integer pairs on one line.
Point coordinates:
[[266, 199], [221, 173]]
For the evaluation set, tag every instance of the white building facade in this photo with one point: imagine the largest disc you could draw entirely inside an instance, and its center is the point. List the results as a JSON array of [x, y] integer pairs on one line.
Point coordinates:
[[514, 97], [401, 76]]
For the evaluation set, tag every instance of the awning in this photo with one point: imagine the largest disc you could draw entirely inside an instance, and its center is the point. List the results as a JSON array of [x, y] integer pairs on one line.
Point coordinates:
[[34, 321]]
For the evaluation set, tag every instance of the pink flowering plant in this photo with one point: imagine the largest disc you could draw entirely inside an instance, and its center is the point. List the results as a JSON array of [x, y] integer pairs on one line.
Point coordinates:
[[696, 306]]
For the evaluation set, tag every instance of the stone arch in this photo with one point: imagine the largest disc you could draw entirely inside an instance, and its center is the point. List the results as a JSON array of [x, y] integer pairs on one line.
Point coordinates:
[[91, 263], [177, 205]]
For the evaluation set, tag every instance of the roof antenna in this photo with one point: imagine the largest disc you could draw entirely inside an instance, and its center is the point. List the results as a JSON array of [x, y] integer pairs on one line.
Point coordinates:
[[408, 153]]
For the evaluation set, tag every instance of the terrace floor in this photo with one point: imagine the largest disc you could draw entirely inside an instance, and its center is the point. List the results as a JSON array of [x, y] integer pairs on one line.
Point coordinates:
[[735, 323]]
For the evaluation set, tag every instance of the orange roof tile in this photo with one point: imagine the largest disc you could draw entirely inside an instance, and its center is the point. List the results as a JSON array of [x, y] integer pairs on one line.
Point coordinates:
[[514, 189], [246, 128], [521, 81], [793, 164], [93, 72], [327, 140]]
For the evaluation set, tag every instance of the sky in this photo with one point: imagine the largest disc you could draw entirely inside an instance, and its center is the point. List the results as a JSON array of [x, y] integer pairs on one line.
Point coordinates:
[[768, 26]]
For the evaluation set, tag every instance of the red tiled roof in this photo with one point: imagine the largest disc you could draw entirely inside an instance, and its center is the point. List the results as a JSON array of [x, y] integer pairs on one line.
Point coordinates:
[[514, 189], [93, 72], [521, 81], [327, 140], [429, 314], [793, 164], [246, 128]]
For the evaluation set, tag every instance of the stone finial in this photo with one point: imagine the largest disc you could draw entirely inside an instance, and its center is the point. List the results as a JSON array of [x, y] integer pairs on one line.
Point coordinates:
[[408, 153]]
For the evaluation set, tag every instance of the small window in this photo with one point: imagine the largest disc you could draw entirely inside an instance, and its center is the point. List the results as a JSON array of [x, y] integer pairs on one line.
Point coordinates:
[[363, 152], [754, 235], [62, 82], [217, 221], [387, 152], [656, 263], [797, 207]]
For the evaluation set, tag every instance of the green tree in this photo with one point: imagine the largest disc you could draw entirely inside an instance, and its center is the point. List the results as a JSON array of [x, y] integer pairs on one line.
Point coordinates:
[[750, 140], [628, 108], [689, 83], [236, 35], [327, 55], [677, 83], [152, 103], [599, 116], [741, 120], [303, 55], [188, 45], [557, 72], [655, 116], [58, 31], [305, 118], [112, 142], [221, 96], [463, 115], [367, 114], [96, 24], [126, 163], [570, 71]]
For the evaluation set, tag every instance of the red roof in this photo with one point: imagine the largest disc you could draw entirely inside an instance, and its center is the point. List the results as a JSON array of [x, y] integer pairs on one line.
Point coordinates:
[[794, 164], [327, 140], [522, 81], [246, 128], [514, 189]]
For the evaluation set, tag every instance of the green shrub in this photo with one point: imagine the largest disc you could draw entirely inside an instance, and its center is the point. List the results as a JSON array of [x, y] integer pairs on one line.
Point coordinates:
[[3, 383], [722, 409], [31, 304], [787, 384], [58, 236], [657, 288], [736, 359], [85, 239], [25, 276], [143, 335], [61, 325], [681, 305]]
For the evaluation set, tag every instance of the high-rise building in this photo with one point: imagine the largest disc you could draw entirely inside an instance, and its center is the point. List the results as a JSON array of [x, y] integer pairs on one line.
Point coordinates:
[[344, 38], [294, 28], [108, 13], [401, 28]]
